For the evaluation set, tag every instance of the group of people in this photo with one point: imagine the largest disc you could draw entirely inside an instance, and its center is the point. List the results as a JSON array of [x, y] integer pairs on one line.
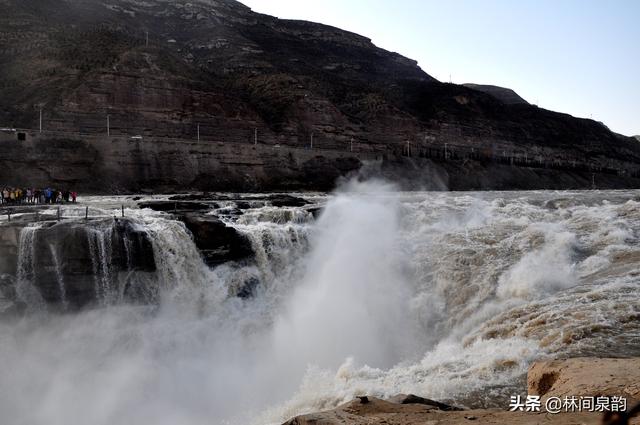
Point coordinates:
[[19, 196]]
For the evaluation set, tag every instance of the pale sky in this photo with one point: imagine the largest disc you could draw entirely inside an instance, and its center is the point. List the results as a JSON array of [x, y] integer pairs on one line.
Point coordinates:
[[581, 57]]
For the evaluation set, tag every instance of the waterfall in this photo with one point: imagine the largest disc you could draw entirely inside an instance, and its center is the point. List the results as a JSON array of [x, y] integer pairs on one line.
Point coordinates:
[[449, 296], [127, 250], [279, 239], [59, 276], [26, 290], [180, 271], [100, 248]]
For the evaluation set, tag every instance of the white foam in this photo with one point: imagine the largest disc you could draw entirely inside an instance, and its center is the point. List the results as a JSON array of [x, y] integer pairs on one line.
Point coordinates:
[[449, 296]]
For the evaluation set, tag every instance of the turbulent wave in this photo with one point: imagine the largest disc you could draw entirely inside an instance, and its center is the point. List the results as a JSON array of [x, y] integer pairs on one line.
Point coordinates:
[[450, 296]]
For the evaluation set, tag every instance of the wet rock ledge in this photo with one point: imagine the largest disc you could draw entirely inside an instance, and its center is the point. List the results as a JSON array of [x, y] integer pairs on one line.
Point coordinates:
[[74, 263], [217, 242], [571, 377]]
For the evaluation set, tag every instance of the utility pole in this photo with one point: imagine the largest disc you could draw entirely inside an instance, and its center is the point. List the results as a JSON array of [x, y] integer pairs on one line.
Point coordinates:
[[147, 38], [198, 132], [255, 136], [351, 148], [311, 140], [446, 155], [41, 119], [408, 148], [108, 127]]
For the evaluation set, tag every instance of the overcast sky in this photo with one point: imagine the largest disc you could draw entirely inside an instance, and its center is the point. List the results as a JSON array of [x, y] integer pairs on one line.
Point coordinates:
[[576, 56]]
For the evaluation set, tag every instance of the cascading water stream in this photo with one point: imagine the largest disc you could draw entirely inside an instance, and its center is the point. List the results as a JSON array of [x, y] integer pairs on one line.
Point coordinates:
[[279, 238], [101, 250], [59, 277], [26, 290]]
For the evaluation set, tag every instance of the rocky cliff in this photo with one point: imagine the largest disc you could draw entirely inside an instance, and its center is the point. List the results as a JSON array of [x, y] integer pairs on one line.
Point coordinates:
[[70, 264], [67, 258], [505, 95], [215, 70]]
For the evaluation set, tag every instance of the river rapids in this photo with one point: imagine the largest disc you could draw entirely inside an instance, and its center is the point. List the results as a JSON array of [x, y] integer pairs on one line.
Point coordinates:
[[449, 296]]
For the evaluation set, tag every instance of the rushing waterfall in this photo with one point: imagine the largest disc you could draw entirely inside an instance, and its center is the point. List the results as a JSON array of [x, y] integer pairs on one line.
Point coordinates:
[[59, 276], [100, 248], [25, 287], [279, 237], [449, 296], [181, 273]]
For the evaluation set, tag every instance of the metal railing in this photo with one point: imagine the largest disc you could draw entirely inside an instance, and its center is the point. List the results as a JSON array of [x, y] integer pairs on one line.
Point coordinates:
[[246, 138], [59, 213], [429, 148]]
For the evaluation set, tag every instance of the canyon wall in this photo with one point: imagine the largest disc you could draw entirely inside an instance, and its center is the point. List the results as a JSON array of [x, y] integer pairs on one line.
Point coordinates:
[[119, 164], [168, 71]]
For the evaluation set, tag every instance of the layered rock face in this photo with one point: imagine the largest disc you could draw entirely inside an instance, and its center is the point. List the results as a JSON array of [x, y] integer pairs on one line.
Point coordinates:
[[73, 264], [167, 70], [76, 262], [586, 377]]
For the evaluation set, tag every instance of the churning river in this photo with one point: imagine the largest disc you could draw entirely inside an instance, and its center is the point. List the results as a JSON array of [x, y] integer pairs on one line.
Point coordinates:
[[446, 295]]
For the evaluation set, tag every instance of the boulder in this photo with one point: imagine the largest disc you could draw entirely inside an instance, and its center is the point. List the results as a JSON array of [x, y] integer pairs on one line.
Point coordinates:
[[414, 399], [217, 242]]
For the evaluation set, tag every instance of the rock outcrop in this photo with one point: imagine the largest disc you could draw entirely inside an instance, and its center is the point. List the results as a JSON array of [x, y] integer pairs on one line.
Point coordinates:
[[72, 264], [586, 377], [503, 94], [378, 412], [316, 101], [217, 242], [117, 164], [432, 404], [558, 378]]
